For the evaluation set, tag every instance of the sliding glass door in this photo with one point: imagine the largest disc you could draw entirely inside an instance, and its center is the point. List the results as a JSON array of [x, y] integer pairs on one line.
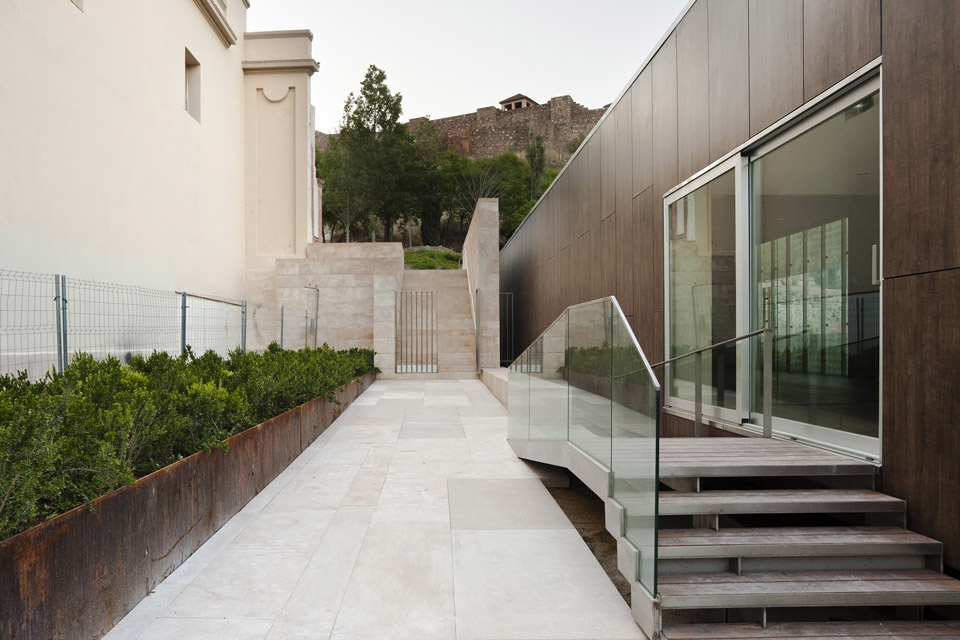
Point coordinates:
[[815, 218], [786, 233]]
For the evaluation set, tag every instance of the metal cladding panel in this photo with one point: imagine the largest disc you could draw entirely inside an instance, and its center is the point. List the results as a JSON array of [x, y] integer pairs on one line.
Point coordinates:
[[664, 66], [729, 66], [921, 136], [776, 60], [921, 407], [641, 102], [838, 39], [693, 108]]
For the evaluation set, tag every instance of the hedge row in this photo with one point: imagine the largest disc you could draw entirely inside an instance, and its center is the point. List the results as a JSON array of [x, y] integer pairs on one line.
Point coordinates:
[[98, 425]]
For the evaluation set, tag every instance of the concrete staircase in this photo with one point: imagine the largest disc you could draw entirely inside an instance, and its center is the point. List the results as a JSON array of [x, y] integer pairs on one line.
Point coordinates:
[[787, 547], [456, 334]]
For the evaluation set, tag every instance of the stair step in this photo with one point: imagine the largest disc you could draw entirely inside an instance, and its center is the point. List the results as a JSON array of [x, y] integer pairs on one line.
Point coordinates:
[[747, 457], [778, 501], [793, 541], [807, 589], [803, 630]]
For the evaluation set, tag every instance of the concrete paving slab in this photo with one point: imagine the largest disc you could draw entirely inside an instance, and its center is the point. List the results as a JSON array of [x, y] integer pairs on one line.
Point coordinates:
[[495, 503], [388, 527], [546, 585]]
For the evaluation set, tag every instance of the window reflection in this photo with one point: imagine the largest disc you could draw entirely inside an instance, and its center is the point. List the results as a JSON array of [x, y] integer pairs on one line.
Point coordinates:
[[815, 209]]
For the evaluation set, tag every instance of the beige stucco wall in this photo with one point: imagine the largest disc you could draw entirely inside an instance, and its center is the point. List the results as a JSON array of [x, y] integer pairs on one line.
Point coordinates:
[[103, 173], [280, 174]]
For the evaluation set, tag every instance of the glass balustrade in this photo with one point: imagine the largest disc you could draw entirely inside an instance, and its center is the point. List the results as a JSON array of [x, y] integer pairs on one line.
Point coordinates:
[[586, 381]]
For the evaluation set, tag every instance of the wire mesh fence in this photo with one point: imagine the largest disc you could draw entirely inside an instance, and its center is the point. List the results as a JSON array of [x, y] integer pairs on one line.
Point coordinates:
[[29, 330], [45, 318]]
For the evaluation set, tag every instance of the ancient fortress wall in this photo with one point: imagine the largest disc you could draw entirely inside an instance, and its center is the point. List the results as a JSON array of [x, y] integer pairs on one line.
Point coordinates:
[[491, 131]]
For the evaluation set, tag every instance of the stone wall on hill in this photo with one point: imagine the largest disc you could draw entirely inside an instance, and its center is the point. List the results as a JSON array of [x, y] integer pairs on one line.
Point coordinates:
[[490, 131]]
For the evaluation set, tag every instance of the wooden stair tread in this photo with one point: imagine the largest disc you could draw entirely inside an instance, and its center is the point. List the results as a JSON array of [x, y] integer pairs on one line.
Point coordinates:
[[793, 541], [808, 588], [727, 457], [805, 630], [778, 501]]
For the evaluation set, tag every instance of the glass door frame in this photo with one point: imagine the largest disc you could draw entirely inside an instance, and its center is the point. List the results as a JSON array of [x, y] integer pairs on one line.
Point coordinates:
[[739, 164], [861, 446], [743, 418]]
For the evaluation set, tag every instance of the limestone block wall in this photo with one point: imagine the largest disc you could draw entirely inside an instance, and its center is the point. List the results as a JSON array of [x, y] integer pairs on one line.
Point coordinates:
[[481, 260], [348, 277], [456, 339]]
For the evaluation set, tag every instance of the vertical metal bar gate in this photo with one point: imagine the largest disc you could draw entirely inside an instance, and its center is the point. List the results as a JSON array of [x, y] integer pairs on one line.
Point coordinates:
[[417, 335]]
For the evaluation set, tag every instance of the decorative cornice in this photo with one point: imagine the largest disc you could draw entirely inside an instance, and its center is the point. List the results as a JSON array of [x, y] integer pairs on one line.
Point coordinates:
[[305, 65], [214, 14], [292, 33]]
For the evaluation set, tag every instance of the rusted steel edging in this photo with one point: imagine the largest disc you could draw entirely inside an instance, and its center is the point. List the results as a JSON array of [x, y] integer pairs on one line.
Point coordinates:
[[77, 575]]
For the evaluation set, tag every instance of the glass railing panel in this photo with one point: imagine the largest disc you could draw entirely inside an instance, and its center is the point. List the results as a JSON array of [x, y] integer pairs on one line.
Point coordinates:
[[588, 358], [635, 415], [548, 383], [518, 399]]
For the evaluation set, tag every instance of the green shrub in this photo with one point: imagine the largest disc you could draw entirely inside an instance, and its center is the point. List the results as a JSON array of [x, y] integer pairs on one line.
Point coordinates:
[[432, 259], [76, 435]]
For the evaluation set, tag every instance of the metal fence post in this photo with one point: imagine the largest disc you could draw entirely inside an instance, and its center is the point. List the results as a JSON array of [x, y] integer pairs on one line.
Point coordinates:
[[243, 326], [698, 393], [281, 327], [183, 323], [56, 281], [63, 302]]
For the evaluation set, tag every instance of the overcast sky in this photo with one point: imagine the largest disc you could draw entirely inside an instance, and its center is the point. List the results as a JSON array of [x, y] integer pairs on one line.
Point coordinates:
[[449, 57]]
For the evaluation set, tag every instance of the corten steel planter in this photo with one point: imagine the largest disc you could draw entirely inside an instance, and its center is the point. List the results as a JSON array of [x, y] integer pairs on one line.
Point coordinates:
[[77, 575]]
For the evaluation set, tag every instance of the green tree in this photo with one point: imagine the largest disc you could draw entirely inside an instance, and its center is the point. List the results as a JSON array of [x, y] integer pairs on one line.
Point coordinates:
[[536, 158], [362, 170]]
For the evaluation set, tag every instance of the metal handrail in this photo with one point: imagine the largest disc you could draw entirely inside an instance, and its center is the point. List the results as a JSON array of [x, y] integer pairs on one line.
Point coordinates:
[[698, 377]]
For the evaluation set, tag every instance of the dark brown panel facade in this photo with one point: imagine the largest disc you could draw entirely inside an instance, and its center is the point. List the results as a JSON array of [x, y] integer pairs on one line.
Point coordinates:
[[608, 166], [776, 60], [729, 56], [625, 266], [838, 38], [921, 136], [641, 101], [664, 78], [921, 406], [623, 139], [693, 138], [608, 257]]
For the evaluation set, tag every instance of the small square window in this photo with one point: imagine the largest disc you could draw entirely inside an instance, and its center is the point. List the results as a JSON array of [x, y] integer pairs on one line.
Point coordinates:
[[191, 89]]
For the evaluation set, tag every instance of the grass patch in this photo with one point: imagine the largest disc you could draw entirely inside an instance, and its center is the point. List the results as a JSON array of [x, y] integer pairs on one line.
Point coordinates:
[[432, 259]]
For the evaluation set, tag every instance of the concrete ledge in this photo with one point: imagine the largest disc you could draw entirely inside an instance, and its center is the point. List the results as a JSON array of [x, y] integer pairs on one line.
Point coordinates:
[[561, 453], [76, 575], [496, 381]]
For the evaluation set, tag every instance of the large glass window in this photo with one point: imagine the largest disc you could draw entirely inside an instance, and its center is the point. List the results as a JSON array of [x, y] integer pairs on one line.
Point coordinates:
[[702, 290], [815, 205]]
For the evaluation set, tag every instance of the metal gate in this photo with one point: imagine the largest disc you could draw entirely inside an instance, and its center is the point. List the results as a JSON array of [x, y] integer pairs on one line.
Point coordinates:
[[416, 332]]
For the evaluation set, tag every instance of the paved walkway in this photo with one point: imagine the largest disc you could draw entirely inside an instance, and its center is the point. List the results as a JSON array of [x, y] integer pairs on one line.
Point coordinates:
[[410, 517]]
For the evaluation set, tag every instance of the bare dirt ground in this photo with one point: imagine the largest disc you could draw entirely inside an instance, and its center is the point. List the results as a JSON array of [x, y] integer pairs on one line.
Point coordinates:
[[585, 511]]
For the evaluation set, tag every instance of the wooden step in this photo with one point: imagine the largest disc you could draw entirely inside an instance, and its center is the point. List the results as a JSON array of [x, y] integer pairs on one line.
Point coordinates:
[[793, 541], [674, 503], [807, 589], [751, 457], [805, 631]]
